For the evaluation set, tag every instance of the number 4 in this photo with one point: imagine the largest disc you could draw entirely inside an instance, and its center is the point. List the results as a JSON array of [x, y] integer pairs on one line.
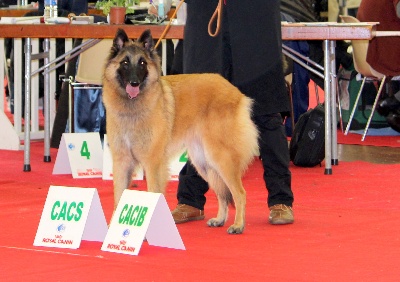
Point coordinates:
[[85, 150], [183, 158]]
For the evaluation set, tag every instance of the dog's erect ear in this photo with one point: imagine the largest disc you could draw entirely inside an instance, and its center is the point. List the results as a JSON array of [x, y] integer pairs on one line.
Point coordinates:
[[147, 40], [120, 39]]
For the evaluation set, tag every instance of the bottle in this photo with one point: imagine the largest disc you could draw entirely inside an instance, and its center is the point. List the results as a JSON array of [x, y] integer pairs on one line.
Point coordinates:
[[161, 9], [47, 9], [53, 9]]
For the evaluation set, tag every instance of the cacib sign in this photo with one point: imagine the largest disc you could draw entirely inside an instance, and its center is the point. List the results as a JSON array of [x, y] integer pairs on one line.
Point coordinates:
[[141, 215]]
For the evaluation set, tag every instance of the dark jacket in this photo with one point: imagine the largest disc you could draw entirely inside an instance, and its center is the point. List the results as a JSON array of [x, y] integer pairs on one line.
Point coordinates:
[[247, 51]]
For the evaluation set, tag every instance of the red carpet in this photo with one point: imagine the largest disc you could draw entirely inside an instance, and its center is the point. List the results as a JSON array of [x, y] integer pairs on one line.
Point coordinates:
[[346, 228], [380, 141]]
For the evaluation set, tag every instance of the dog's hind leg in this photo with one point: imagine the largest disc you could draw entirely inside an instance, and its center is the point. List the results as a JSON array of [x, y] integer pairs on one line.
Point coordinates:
[[239, 197], [198, 158], [224, 198], [224, 177], [230, 177]]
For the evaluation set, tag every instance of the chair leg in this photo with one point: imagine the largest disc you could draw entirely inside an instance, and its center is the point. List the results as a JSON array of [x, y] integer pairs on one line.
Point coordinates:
[[373, 107], [355, 107], [339, 105]]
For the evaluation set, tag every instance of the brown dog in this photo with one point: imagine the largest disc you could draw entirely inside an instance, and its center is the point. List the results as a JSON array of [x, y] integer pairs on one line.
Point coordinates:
[[151, 117]]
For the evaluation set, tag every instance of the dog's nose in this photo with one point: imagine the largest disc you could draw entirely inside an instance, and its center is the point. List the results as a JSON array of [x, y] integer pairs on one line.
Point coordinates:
[[134, 83]]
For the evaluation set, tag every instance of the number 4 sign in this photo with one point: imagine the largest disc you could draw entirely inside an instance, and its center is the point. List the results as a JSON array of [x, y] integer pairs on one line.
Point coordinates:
[[80, 154], [176, 166]]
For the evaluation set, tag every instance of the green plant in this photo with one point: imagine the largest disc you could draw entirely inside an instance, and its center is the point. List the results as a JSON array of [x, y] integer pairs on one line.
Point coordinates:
[[106, 5]]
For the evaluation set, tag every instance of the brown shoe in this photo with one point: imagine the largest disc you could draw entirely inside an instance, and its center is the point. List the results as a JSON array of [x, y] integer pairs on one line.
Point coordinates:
[[280, 214], [184, 213]]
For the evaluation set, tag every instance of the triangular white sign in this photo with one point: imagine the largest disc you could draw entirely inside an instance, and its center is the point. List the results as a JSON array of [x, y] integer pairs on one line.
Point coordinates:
[[141, 215], [176, 165], [9, 139], [71, 214], [80, 154]]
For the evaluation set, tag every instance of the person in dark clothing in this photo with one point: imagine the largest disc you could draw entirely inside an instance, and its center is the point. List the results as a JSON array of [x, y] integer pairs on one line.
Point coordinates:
[[73, 6], [383, 54], [247, 52]]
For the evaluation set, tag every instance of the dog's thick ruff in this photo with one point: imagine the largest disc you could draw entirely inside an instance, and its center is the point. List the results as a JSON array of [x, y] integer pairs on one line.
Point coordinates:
[[151, 118]]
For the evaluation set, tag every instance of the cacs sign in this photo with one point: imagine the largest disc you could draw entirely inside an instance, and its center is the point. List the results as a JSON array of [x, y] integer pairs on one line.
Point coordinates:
[[71, 214], [67, 211]]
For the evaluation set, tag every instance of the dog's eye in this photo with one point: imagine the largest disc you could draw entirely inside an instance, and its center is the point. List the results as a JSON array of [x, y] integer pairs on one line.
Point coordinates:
[[142, 62], [124, 63]]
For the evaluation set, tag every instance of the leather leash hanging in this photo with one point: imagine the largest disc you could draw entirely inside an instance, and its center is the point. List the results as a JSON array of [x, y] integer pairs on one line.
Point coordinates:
[[218, 16]]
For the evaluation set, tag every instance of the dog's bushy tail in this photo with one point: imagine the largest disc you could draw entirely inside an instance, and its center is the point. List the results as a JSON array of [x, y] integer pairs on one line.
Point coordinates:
[[247, 138]]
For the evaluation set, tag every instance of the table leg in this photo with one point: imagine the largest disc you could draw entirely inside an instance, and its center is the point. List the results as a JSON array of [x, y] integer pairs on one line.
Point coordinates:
[[27, 121], [18, 78], [328, 123], [46, 49], [332, 47]]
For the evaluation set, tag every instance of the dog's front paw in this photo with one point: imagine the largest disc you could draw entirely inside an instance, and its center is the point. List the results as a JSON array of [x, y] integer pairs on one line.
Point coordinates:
[[235, 229], [215, 222]]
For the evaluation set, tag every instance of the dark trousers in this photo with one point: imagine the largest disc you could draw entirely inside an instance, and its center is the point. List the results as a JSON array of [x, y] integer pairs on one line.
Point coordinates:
[[242, 59], [275, 159]]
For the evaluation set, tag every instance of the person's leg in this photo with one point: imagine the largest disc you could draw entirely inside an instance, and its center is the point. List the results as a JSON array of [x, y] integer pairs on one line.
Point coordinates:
[[393, 117], [195, 59], [274, 154], [191, 187], [397, 95], [389, 105], [191, 195]]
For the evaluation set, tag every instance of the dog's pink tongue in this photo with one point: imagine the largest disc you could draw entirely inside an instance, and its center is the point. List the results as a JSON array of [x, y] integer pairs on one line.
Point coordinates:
[[132, 91]]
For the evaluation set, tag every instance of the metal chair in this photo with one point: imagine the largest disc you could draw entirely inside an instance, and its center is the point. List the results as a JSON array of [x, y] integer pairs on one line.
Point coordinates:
[[360, 48]]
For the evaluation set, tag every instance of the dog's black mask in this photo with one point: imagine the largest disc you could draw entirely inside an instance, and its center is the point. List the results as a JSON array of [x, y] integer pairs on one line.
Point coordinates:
[[132, 72]]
